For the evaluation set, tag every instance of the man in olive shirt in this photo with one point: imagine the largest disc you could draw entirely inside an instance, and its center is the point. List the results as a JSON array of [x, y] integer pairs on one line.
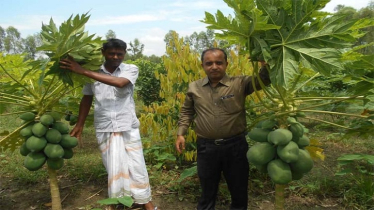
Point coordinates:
[[216, 104]]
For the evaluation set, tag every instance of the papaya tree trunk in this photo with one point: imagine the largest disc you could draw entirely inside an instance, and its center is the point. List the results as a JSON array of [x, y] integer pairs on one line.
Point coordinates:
[[279, 196], [55, 192]]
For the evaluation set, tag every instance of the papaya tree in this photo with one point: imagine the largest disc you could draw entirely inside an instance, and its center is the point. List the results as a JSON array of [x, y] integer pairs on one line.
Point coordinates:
[[300, 43], [39, 93]]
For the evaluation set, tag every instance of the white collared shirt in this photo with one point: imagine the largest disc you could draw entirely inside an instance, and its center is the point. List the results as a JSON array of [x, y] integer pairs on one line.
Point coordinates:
[[114, 107]]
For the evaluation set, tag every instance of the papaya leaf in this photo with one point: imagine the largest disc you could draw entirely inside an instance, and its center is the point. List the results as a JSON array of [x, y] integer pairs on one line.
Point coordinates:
[[288, 33], [315, 150], [71, 39], [188, 173], [13, 140], [127, 201], [344, 172], [108, 201], [353, 157]]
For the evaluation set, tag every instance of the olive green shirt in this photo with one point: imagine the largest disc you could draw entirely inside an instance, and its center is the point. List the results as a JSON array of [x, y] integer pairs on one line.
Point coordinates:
[[218, 112]]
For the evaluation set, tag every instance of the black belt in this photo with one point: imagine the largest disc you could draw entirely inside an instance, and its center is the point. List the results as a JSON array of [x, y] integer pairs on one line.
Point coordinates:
[[224, 141]]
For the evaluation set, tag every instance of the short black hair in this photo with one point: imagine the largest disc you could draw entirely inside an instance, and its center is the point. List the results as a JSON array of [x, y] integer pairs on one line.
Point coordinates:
[[213, 49], [114, 43]]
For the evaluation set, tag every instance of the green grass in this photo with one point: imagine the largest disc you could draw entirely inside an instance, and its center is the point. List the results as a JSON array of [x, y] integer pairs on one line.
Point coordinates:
[[12, 166]]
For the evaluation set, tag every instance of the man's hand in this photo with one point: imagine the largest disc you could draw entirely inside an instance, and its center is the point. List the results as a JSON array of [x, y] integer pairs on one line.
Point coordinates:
[[180, 144], [70, 64], [77, 132]]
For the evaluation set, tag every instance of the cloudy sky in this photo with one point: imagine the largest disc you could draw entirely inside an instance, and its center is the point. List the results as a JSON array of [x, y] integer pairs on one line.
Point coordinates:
[[147, 20]]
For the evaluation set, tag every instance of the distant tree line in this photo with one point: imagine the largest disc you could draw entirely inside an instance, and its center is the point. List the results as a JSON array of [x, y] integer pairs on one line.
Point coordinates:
[[11, 41], [366, 12]]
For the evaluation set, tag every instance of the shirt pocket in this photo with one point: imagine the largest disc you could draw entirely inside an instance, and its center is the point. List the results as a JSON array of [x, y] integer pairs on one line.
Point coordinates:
[[231, 104], [96, 87]]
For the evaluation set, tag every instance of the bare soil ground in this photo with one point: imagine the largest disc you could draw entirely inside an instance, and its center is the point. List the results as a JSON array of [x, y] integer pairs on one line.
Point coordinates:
[[78, 195]]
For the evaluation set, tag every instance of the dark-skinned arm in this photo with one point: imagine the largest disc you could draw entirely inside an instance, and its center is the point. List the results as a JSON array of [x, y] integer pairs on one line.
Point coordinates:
[[71, 64], [84, 109], [185, 118], [264, 76]]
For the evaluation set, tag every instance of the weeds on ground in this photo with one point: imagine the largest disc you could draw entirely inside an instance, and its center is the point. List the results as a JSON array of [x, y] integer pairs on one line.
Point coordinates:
[[358, 170]]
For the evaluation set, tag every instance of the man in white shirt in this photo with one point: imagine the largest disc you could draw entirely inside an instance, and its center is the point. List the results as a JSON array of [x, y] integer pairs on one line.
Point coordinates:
[[116, 124]]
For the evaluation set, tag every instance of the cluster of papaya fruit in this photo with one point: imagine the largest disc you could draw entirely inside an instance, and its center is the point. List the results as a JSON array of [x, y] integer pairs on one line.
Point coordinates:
[[280, 151], [72, 119], [47, 140]]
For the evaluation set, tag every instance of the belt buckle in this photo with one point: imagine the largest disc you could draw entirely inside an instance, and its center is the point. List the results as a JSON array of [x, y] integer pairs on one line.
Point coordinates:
[[217, 141]]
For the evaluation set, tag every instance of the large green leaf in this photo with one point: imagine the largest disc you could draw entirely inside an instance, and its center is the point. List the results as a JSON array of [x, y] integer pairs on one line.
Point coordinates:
[[288, 33], [188, 173], [71, 39]]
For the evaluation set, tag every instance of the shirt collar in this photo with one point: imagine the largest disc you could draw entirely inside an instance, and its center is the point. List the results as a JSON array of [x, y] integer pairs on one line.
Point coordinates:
[[224, 81], [103, 69]]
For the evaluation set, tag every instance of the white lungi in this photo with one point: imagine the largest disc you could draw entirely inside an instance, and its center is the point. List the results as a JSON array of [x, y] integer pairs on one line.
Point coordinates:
[[122, 154]]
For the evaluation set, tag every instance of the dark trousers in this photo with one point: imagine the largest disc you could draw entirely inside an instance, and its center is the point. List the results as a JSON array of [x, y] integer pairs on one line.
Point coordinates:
[[229, 158]]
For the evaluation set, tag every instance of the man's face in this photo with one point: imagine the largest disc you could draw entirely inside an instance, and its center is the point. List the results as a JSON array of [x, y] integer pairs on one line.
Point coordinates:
[[113, 56], [214, 65]]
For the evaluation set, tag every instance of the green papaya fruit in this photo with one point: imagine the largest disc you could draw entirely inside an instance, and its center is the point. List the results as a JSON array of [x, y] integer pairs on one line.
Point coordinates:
[[55, 163], [297, 131], [23, 150], [279, 171], [68, 141], [46, 120], [258, 134], [268, 124], [300, 114], [53, 136], [61, 127], [38, 129], [34, 161], [55, 115], [291, 120], [26, 131], [280, 136], [304, 164], [304, 141], [73, 120], [27, 116], [259, 124], [36, 144], [289, 152], [68, 153], [67, 117], [54, 151], [261, 153]]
